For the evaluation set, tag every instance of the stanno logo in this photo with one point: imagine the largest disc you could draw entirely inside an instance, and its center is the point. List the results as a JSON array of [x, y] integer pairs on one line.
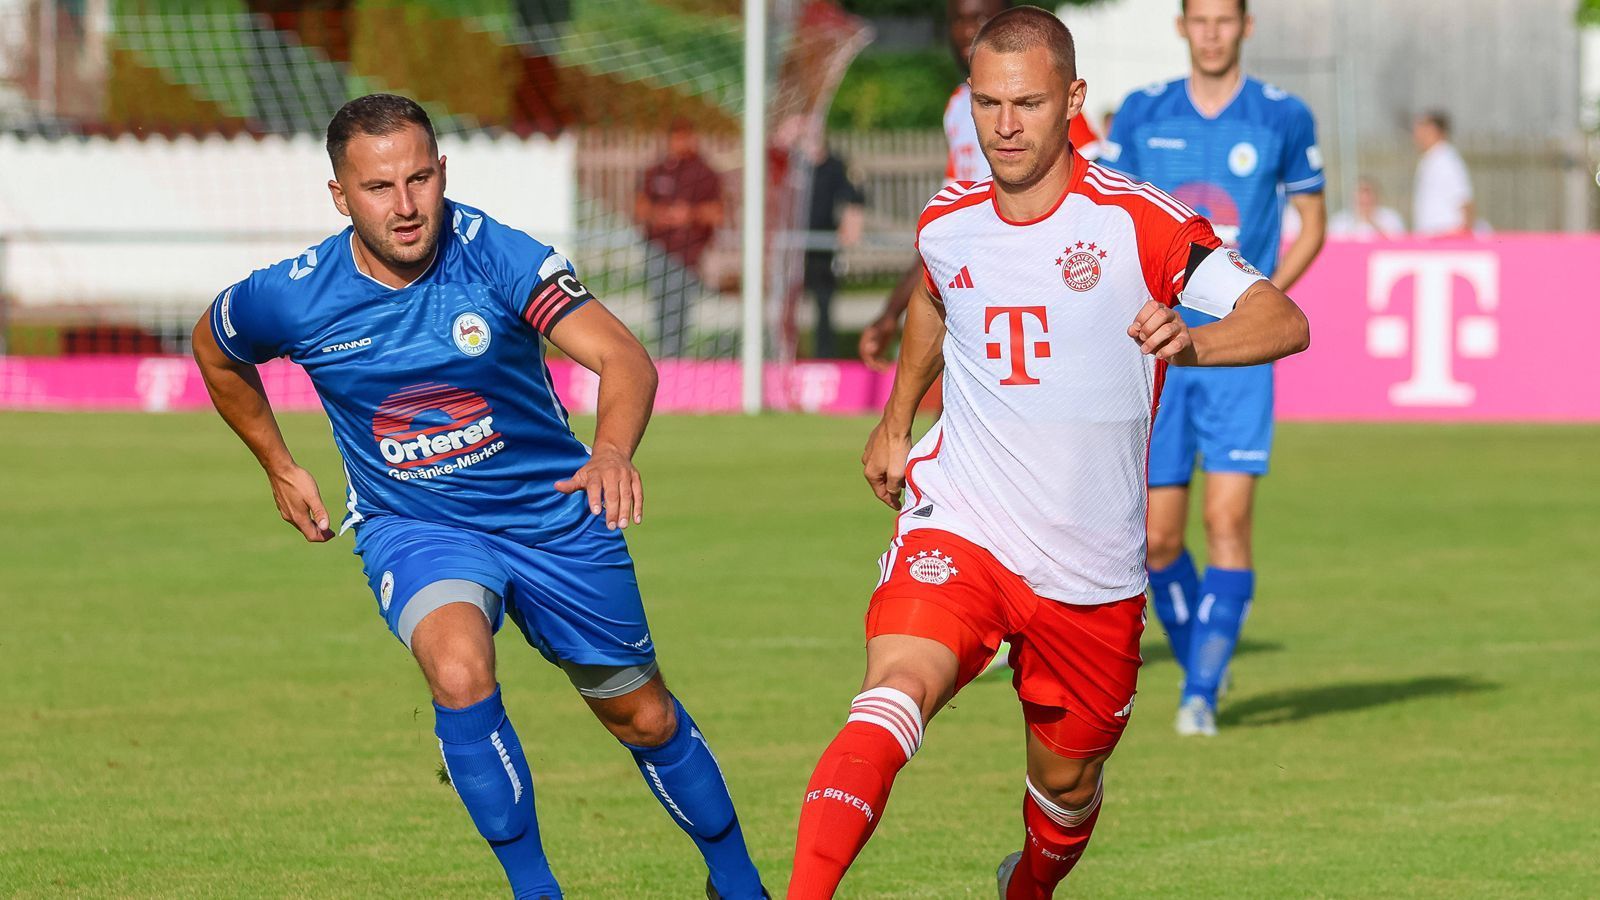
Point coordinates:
[[304, 265], [1157, 143], [348, 345], [1080, 266]]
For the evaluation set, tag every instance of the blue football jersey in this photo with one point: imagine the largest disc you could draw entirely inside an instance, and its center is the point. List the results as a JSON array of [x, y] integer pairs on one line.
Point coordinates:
[[1234, 169], [440, 400]]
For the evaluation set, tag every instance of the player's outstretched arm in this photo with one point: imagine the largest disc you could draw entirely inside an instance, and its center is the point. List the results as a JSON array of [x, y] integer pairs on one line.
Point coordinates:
[[921, 361], [237, 394], [1264, 325], [877, 336], [596, 340]]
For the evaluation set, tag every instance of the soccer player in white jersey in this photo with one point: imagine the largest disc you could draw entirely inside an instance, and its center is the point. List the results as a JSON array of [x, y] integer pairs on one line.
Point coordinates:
[[964, 162], [1047, 302]]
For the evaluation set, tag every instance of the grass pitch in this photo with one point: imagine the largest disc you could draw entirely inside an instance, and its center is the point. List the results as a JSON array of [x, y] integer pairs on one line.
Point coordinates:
[[197, 704]]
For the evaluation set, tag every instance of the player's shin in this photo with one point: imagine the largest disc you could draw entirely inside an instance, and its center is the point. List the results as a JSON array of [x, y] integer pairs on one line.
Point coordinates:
[[848, 789], [1174, 590], [489, 772], [1054, 840], [1224, 599], [684, 775]]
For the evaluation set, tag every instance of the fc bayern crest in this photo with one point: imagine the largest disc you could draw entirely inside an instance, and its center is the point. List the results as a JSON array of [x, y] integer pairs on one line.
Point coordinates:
[[1081, 265], [471, 333], [932, 567]]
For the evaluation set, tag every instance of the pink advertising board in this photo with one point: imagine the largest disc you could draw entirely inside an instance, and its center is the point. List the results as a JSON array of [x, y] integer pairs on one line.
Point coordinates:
[[1414, 331]]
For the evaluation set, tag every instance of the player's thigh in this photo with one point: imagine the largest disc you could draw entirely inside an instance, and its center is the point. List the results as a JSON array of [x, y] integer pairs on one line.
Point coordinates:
[[415, 568], [1076, 670], [1172, 437], [1232, 413], [937, 590], [576, 600]]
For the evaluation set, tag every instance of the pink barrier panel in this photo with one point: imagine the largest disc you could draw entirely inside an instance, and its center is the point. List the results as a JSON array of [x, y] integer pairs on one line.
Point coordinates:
[[1444, 330]]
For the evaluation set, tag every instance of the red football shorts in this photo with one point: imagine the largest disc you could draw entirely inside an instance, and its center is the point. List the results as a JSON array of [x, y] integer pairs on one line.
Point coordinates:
[[1074, 667]]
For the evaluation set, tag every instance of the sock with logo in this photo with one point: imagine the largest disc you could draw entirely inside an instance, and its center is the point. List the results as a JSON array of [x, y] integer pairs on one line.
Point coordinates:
[[1173, 590], [1054, 841], [490, 774], [848, 789], [1224, 599], [685, 777]]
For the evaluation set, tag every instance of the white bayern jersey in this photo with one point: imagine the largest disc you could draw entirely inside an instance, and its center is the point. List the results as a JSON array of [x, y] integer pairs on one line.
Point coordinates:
[[966, 161], [1040, 454]]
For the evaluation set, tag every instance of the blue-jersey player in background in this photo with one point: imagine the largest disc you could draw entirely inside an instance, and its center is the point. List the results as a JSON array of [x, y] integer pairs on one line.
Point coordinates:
[[423, 327], [1232, 148]]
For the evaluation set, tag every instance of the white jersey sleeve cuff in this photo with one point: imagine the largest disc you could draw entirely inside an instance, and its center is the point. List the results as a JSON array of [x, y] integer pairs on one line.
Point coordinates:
[[1218, 282]]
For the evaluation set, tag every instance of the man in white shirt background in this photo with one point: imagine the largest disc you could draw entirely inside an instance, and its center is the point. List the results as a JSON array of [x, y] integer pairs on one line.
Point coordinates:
[[1442, 199], [1368, 219]]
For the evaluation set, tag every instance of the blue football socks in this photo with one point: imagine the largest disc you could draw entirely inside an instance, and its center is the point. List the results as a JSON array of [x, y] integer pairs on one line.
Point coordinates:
[[1224, 600], [490, 774], [1174, 591], [685, 777]]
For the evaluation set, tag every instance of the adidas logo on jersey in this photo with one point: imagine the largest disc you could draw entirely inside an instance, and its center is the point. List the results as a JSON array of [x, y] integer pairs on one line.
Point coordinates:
[[963, 279]]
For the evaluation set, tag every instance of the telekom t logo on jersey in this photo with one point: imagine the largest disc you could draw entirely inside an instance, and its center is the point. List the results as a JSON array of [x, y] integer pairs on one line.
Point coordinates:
[[1014, 336], [1433, 335]]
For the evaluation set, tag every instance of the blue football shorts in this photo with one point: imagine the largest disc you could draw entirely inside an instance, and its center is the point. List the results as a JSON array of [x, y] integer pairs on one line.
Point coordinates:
[[1223, 415], [574, 597]]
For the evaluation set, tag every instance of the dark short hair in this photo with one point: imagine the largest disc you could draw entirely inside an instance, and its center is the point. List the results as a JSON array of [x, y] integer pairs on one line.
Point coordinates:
[[374, 114], [1244, 7], [1439, 119], [1025, 27]]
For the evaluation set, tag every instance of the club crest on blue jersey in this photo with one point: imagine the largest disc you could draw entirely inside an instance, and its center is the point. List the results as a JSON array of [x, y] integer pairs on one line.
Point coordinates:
[[471, 334], [1242, 159]]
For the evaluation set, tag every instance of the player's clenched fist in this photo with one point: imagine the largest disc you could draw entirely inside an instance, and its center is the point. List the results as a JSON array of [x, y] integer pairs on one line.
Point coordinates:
[[300, 503], [884, 463], [612, 485], [1161, 332]]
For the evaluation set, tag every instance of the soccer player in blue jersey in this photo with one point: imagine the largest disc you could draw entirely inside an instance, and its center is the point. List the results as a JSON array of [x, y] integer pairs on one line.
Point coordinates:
[[1233, 148], [423, 328]]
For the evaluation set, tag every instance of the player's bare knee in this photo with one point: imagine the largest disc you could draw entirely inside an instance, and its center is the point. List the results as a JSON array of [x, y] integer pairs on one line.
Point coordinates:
[[460, 681], [1165, 547], [642, 718], [1070, 784]]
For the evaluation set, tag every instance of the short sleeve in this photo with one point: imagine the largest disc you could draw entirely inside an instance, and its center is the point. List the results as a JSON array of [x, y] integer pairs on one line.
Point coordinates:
[[1302, 162], [1170, 243], [246, 321]]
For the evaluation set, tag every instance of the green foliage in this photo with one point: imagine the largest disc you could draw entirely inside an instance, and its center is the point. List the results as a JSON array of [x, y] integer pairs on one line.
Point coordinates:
[[894, 91], [1589, 12]]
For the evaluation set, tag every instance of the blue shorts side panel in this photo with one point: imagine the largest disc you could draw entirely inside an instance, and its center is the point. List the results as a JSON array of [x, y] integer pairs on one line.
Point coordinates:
[[1232, 414], [402, 556], [576, 598], [1172, 441]]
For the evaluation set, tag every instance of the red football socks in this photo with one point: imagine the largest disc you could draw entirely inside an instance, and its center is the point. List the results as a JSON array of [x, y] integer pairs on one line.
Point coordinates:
[[848, 789], [1056, 839]]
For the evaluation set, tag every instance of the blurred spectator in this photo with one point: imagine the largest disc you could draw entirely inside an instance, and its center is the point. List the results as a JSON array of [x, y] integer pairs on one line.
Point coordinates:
[[1369, 220], [1442, 202], [835, 222], [679, 207]]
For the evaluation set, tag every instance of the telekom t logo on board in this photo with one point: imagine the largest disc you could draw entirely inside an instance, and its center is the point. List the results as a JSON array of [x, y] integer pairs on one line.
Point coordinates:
[[1015, 337], [1432, 335]]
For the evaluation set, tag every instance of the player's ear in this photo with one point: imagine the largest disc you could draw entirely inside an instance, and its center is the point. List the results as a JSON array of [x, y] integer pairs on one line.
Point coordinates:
[[1249, 25], [442, 160], [1077, 96], [336, 191]]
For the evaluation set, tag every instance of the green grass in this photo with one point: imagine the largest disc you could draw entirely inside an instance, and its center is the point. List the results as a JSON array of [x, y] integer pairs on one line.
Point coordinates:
[[196, 704]]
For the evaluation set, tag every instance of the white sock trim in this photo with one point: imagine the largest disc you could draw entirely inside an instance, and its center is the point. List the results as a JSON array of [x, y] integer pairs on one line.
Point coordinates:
[[1067, 818], [892, 710]]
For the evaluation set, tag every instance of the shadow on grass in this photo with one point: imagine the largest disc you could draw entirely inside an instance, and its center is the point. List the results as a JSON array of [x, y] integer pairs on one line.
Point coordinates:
[[1279, 707], [1161, 652]]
